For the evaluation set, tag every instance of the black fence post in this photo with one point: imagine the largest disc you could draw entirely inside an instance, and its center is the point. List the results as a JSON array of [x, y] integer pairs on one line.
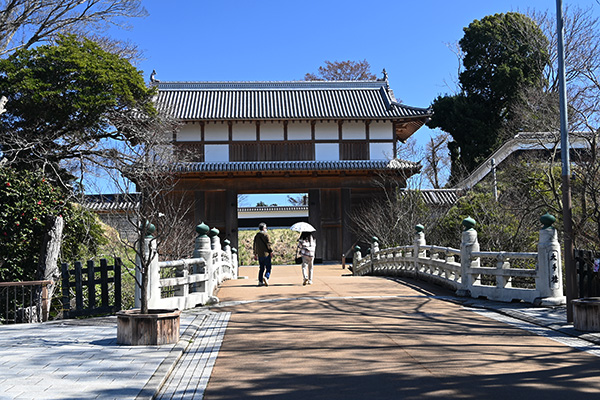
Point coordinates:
[[104, 282], [78, 286], [117, 284], [91, 284], [66, 295]]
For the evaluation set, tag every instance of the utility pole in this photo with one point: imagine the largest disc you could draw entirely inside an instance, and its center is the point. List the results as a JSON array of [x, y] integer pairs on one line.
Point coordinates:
[[570, 272]]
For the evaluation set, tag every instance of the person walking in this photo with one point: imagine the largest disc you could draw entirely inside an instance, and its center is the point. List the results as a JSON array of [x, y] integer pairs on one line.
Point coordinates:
[[263, 248], [306, 248]]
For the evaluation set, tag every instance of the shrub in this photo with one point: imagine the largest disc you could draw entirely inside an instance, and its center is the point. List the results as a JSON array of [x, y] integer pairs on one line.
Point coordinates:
[[27, 201]]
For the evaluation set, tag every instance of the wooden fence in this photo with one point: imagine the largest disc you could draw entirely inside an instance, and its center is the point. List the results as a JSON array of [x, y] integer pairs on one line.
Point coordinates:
[[85, 282]]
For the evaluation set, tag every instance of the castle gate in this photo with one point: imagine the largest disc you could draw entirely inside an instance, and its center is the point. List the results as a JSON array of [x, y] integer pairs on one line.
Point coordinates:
[[330, 139]]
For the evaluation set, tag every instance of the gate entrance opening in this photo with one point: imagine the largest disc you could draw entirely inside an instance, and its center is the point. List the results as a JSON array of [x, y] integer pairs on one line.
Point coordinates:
[[276, 210]]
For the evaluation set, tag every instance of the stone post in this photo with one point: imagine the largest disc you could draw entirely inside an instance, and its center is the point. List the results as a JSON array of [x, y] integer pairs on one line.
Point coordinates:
[[215, 243], [375, 256], [227, 250], [148, 252], [234, 261], [418, 242], [549, 277], [468, 245], [356, 259], [375, 244], [202, 250]]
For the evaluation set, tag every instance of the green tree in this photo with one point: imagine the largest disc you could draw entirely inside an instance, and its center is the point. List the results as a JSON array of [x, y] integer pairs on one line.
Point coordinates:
[[342, 71], [28, 199], [504, 54], [64, 102]]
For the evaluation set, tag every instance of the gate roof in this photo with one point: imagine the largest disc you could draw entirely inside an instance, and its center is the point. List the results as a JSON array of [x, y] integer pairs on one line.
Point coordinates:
[[293, 100]]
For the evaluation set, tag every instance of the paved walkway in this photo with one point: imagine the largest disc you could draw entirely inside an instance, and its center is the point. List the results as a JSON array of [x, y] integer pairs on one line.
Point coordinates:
[[343, 337]]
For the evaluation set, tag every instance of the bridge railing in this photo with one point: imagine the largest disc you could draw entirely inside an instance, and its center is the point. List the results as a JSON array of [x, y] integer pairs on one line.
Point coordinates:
[[502, 276], [187, 283]]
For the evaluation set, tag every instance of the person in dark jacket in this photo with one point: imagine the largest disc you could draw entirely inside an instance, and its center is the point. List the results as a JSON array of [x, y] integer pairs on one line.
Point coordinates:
[[263, 248]]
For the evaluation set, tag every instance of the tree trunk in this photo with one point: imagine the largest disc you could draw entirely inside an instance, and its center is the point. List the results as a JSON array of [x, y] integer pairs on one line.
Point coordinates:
[[48, 264]]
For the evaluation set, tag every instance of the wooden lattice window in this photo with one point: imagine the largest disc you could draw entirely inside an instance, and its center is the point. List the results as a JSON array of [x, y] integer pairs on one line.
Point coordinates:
[[354, 151]]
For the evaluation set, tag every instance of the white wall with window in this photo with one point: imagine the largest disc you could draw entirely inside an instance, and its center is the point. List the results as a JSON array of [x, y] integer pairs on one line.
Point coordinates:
[[381, 130], [271, 131], [381, 151], [216, 132], [189, 133], [241, 131], [326, 130], [216, 153], [354, 130], [299, 131], [327, 151]]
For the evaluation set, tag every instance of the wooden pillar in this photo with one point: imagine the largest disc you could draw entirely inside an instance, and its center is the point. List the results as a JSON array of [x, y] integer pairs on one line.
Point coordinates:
[[199, 207], [346, 208], [331, 224], [231, 218], [314, 218]]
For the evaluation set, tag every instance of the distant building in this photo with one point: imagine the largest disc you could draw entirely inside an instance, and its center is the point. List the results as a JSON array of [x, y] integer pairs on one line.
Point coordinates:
[[273, 216], [116, 211]]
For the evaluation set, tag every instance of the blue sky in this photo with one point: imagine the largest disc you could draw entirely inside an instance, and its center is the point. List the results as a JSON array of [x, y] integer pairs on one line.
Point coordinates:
[[197, 40]]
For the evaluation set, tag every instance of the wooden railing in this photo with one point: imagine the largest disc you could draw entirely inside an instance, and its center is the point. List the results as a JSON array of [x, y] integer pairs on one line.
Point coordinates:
[[17, 306]]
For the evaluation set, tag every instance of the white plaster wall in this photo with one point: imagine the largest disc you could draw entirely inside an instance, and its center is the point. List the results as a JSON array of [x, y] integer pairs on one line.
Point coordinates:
[[381, 151], [327, 151], [299, 131], [381, 130], [271, 131], [244, 132], [354, 130], [216, 153], [189, 133], [214, 132], [326, 130]]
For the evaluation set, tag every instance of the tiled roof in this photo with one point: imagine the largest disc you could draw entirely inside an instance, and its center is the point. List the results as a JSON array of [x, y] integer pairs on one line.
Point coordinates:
[[288, 166], [295, 100], [111, 202]]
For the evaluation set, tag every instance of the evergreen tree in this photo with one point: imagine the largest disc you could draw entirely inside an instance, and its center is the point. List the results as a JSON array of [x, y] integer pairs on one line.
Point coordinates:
[[504, 55]]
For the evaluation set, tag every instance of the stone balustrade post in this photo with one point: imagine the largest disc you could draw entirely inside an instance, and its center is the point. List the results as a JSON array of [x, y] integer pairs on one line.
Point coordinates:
[[215, 243], [234, 261], [356, 259], [202, 249], [549, 278], [227, 250], [418, 242], [468, 245], [375, 244], [150, 256]]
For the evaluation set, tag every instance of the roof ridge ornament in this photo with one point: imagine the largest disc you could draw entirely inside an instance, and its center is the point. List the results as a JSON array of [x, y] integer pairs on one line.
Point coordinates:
[[153, 77], [385, 79]]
